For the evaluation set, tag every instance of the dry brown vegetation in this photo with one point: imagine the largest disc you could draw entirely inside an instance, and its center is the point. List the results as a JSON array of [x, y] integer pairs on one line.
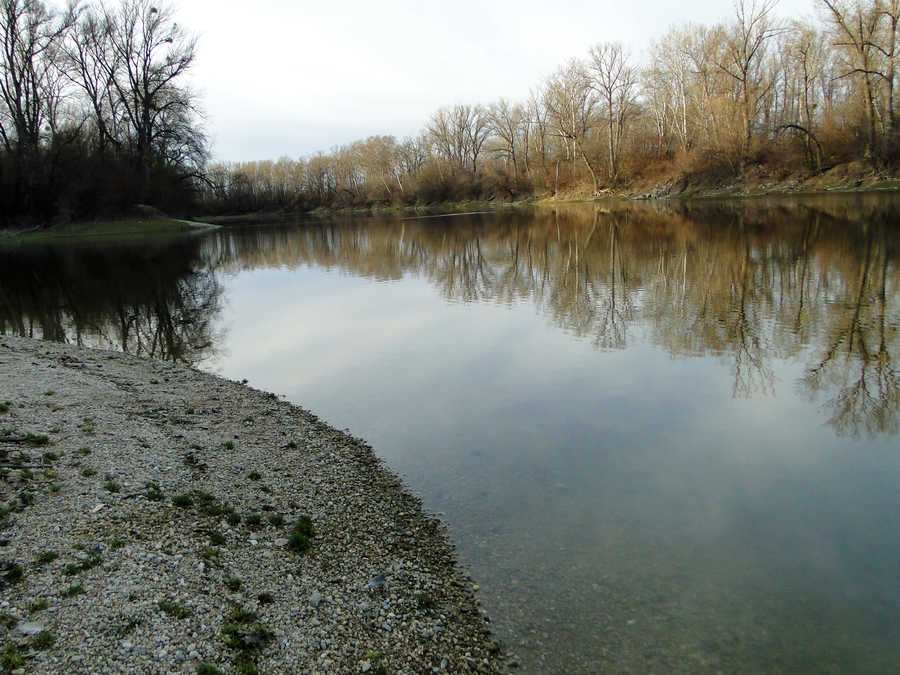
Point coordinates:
[[755, 101]]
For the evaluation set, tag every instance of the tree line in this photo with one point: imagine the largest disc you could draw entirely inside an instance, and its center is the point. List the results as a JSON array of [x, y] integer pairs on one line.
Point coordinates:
[[94, 115], [754, 94]]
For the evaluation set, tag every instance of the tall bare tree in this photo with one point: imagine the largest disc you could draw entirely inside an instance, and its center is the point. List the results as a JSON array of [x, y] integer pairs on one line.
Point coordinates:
[[743, 55], [615, 80], [507, 124], [571, 102], [152, 53]]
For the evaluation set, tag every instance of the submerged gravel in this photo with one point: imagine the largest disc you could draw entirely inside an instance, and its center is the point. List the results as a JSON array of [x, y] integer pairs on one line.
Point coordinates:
[[155, 532]]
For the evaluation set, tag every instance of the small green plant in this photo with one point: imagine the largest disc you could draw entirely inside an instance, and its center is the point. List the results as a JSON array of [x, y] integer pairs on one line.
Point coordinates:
[[208, 669], [154, 494], [38, 605], [182, 501], [239, 615], [233, 518], [254, 475], [10, 659], [26, 474], [36, 440], [5, 406], [233, 584], [276, 520], [7, 621], [266, 489], [54, 489], [173, 609], [84, 452], [11, 572], [50, 474], [245, 666], [45, 557], [424, 601], [301, 533], [292, 445], [49, 392], [208, 504], [88, 563], [51, 456], [73, 590], [243, 632], [54, 430], [116, 544], [217, 538], [265, 598], [228, 445], [88, 472], [209, 553], [129, 623], [112, 486], [43, 640]]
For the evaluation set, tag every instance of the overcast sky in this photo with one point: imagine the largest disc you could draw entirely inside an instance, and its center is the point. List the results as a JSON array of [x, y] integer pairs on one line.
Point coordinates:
[[288, 78]]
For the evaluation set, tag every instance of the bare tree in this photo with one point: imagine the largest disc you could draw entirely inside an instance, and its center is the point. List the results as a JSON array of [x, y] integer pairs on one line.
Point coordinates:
[[29, 34], [570, 103], [152, 53], [459, 134], [857, 29], [92, 65], [616, 83], [745, 46], [507, 124]]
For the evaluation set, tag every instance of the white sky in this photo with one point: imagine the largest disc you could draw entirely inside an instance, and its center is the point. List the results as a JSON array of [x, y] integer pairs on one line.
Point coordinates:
[[290, 78]]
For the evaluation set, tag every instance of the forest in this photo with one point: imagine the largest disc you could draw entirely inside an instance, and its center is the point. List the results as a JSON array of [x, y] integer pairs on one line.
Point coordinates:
[[95, 117], [94, 114]]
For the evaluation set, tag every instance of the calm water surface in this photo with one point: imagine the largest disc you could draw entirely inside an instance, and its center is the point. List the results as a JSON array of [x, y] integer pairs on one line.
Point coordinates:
[[665, 438]]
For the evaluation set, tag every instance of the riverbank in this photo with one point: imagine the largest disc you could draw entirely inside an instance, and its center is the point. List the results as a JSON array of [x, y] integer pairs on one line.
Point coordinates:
[[122, 229], [160, 519]]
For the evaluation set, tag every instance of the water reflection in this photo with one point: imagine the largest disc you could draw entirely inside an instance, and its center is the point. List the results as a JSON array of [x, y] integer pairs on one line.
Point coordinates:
[[664, 436], [749, 283], [158, 301]]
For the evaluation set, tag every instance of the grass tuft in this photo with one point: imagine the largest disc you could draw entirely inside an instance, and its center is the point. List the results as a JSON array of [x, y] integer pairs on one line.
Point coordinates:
[[173, 609]]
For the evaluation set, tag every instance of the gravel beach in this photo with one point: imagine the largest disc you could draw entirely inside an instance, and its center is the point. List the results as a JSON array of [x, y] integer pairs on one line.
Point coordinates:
[[158, 519]]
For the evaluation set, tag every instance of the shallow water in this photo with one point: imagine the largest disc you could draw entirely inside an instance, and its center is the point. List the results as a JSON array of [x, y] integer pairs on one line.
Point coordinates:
[[664, 437]]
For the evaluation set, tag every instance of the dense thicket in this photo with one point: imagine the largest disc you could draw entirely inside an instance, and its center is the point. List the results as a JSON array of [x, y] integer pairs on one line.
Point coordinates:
[[94, 117], [756, 93]]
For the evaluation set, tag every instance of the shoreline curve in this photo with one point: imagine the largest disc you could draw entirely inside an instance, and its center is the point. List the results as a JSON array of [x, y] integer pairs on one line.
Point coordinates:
[[149, 522]]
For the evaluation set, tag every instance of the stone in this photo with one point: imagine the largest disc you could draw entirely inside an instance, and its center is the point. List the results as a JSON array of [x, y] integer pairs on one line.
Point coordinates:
[[29, 628]]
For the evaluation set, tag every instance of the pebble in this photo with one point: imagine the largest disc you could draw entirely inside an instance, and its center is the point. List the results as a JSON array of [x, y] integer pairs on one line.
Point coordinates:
[[143, 435], [29, 628]]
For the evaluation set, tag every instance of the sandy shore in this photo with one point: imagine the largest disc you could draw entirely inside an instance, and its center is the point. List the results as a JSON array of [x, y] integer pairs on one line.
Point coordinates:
[[159, 519]]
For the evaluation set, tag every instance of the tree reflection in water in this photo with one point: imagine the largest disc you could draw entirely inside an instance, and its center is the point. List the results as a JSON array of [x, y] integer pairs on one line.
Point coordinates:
[[750, 282], [810, 279], [159, 302]]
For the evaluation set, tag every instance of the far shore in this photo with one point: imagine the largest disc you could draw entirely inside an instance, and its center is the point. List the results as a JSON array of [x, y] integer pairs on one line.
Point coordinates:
[[853, 178], [160, 519]]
